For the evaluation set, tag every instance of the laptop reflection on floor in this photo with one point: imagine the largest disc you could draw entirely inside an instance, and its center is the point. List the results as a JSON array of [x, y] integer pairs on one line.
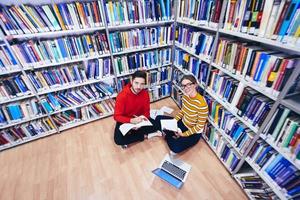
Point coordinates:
[[173, 171]]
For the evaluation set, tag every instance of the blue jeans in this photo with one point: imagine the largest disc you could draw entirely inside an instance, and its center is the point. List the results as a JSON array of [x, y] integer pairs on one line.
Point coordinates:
[[179, 144]]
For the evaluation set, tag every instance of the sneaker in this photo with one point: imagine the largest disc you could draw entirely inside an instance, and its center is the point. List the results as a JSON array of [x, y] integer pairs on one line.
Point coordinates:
[[155, 134], [124, 146], [172, 155]]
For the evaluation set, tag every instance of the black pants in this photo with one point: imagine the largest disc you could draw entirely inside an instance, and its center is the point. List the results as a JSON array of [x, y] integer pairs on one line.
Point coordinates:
[[133, 135], [179, 144]]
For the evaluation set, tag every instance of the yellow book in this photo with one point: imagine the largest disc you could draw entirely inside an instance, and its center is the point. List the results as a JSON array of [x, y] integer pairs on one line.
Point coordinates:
[[41, 27], [216, 117], [111, 12], [60, 20], [81, 14], [90, 45], [42, 80]]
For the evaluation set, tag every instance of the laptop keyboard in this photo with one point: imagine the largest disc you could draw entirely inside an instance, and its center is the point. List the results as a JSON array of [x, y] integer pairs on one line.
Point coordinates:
[[173, 169]]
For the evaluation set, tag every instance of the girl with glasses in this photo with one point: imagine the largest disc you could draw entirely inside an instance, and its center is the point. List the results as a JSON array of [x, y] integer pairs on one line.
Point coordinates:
[[191, 118]]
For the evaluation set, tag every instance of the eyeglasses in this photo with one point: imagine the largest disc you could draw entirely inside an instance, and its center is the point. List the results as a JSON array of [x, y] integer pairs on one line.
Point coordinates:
[[186, 85]]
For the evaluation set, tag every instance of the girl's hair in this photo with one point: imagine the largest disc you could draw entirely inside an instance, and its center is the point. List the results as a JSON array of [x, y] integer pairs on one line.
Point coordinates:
[[189, 77]]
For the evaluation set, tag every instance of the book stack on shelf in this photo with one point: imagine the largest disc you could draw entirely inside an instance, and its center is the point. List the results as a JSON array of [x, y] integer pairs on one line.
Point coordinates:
[[249, 75], [61, 64]]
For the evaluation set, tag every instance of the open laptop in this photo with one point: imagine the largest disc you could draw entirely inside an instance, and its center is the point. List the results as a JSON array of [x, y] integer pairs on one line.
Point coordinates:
[[174, 171]]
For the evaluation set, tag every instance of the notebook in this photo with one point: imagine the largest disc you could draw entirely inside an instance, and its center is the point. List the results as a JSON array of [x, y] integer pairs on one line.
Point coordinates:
[[173, 171]]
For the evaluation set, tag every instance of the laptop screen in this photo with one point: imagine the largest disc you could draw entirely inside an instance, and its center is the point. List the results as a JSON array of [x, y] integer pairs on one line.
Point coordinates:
[[168, 177]]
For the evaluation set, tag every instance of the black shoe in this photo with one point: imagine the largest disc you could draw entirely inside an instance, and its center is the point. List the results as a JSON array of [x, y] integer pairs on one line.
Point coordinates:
[[124, 146]]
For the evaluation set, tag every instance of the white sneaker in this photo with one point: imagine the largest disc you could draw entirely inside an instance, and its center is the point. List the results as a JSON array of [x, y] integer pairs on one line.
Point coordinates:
[[172, 155], [155, 134]]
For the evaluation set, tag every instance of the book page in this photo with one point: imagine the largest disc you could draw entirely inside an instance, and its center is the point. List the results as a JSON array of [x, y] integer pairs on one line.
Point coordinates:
[[124, 128], [169, 124]]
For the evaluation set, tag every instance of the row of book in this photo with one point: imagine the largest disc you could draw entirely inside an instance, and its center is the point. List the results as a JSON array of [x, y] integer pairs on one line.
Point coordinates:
[[155, 77], [26, 19], [7, 60], [35, 53], [177, 95], [191, 64], [283, 130], [284, 175], [274, 19], [20, 111], [140, 38], [199, 43], [126, 12], [142, 60], [254, 186], [46, 79], [54, 102], [205, 12], [75, 97], [248, 103], [12, 87], [82, 114], [157, 93], [222, 148], [240, 135], [267, 69], [25, 131]]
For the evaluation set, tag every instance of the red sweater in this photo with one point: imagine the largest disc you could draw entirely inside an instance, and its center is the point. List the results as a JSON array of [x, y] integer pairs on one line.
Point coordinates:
[[129, 104]]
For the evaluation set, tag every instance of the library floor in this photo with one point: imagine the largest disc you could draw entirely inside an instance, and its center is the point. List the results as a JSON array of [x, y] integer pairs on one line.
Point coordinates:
[[84, 163]]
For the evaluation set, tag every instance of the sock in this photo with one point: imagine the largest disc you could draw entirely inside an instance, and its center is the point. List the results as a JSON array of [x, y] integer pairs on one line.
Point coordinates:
[[155, 134]]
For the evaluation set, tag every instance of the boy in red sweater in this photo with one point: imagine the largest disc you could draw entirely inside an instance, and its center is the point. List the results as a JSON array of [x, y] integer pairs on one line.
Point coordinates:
[[132, 105]]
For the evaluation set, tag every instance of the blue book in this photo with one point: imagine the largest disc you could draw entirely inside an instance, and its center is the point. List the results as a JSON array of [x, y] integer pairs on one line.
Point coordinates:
[[262, 155], [287, 19], [276, 160], [15, 112], [238, 132], [18, 80], [10, 55], [46, 105], [53, 101], [62, 48], [263, 60]]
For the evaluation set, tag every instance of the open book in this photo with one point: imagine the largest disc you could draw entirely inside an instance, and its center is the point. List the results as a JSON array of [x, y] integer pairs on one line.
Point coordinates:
[[126, 127], [169, 124]]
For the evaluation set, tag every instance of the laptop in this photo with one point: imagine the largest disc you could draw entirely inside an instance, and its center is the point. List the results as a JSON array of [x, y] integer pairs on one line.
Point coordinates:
[[173, 171]]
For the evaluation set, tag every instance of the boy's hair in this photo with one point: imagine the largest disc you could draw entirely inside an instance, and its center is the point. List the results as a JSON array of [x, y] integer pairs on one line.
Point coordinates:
[[189, 77], [139, 74]]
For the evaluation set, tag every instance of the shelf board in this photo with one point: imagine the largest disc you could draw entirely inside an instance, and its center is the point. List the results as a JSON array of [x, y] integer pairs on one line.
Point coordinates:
[[138, 25], [281, 151], [273, 43], [72, 60], [227, 106], [81, 122], [134, 50], [293, 103], [83, 104], [267, 179], [16, 99], [10, 71], [7, 146], [55, 33], [64, 87], [196, 24], [22, 121], [147, 69]]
